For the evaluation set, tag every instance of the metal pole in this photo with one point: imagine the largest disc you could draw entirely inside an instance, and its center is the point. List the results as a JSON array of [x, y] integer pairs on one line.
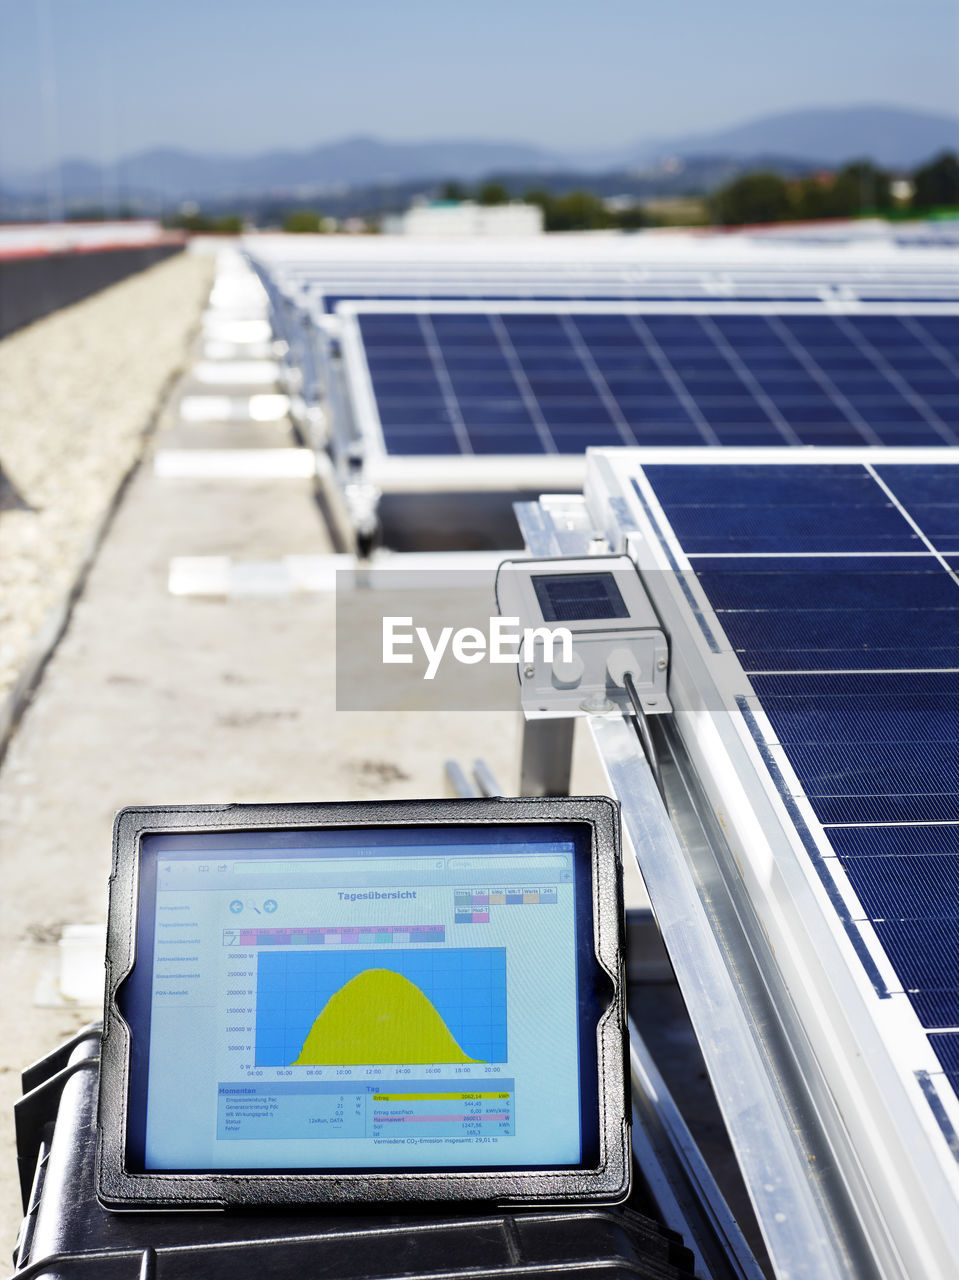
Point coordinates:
[[547, 757]]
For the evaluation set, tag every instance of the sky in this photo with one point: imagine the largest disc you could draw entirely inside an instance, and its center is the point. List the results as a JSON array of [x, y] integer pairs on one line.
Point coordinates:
[[101, 79]]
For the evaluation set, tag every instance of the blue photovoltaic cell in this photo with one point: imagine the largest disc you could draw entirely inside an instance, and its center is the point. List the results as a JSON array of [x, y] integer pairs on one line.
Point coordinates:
[[893, 713], [828, 583], [923, 952], [879, 782], [809, 640], [733, 509], [881, 684], [947, 1049], [936, 1007], [932, 498], [913, 886], [665, 379], [422, 442], [750, 484], [872, 741], [907, 886], [800, 529], [895, 841], [862, 632]]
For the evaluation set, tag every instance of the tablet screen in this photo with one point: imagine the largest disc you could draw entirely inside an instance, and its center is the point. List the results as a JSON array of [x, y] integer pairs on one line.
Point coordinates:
[[378, 998]]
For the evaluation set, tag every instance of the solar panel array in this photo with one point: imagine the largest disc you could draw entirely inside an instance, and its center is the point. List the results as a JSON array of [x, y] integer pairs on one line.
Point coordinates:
[[665, 385], [311, 279], [931, 235], [837, 588], [836, 585], [912, 235], [506, 382], [772, 267]]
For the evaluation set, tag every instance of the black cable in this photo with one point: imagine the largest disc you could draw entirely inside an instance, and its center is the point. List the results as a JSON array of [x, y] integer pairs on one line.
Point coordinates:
[[644, 734]]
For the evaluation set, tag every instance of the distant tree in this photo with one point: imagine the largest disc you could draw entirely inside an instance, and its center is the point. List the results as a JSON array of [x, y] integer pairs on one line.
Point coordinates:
[[303, 220], [538, 195], [227, 224], [937, 183], [576, 211], [858, 188], [812, 197], [230, 224], [583, 211], [861, 187], [544, 200], [631, 218], [453, 191], [492, 193], [755, 197]]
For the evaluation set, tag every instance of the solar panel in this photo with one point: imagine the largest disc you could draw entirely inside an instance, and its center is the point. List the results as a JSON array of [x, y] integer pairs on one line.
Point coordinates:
[[498, 380], [834, 587], [571, 597]]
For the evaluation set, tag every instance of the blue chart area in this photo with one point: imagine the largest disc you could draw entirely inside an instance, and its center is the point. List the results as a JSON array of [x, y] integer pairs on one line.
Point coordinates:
[[466, 986]]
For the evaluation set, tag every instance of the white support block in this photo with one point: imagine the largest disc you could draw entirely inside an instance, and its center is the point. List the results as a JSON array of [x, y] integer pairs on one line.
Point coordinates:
[[235, 464], [226, 329], [199, 576], [237, 373], [259, 408]]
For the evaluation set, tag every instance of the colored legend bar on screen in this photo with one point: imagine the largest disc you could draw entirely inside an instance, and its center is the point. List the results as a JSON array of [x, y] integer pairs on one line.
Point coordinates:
[[472, 906], [337, 935], [446, 1097]]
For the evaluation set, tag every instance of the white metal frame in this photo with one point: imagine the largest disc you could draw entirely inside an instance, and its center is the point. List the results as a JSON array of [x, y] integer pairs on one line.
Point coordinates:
[[316, 283]]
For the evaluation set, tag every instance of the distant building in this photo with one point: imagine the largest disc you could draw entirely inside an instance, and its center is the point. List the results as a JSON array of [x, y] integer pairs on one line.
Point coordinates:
[[466, 218]]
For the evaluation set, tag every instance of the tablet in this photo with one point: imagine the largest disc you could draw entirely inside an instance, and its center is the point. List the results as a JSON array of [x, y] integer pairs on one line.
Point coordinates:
[[348, 1003]]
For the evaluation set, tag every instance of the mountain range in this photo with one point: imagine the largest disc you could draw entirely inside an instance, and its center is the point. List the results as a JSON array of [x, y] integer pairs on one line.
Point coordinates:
[[894, 137]]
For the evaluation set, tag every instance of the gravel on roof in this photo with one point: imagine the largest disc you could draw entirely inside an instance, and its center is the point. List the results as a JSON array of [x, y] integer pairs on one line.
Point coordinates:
[[78, 393]]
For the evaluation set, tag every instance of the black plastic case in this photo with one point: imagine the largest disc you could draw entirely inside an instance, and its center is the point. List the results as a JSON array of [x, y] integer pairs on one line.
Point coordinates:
[[66, 1235]]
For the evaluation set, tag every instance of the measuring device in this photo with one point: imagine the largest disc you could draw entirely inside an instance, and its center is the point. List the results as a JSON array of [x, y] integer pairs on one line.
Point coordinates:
[[593, 641]]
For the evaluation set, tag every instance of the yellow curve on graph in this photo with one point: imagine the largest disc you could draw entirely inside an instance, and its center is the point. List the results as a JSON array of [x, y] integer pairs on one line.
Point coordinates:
[[379, 1018]]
